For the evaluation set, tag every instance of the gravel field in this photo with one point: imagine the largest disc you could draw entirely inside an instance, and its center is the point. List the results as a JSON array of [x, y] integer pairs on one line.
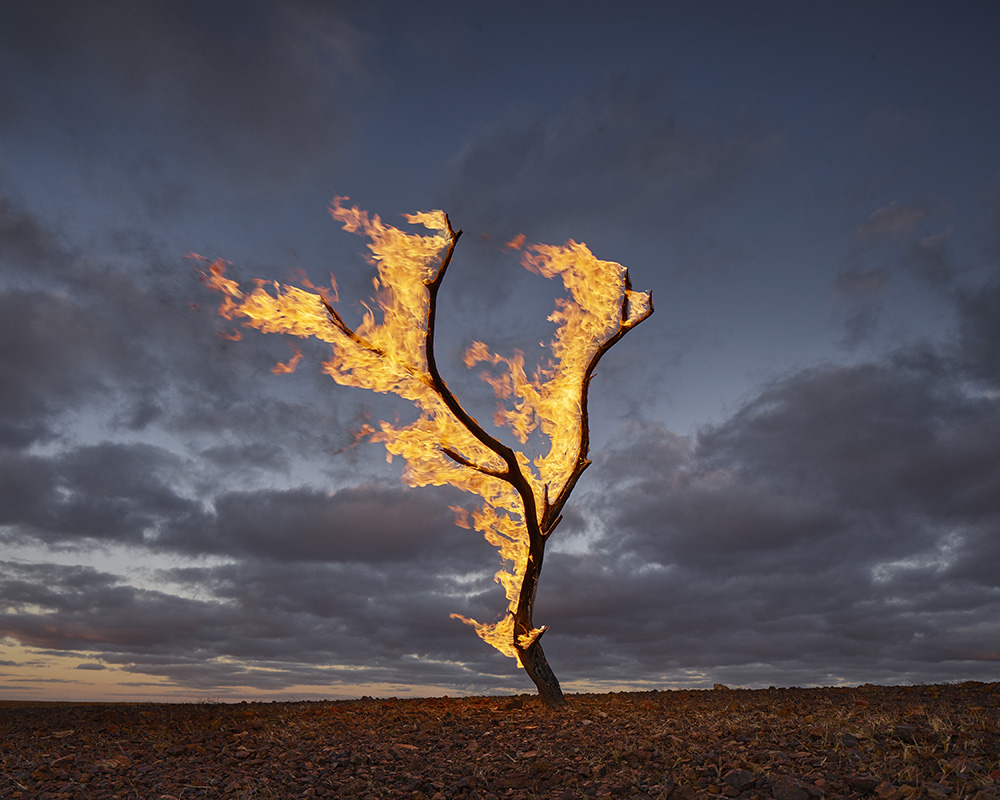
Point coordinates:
[[940, 742]]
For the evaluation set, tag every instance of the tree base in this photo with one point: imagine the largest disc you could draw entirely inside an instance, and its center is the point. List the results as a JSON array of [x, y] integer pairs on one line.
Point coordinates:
[[535, 664]]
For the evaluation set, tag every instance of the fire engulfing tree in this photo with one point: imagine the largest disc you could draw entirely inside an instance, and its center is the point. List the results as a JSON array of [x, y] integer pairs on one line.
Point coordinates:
[[392, 350]]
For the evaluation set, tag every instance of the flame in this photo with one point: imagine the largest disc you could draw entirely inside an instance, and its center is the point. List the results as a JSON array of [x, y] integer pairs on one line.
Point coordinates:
[[388, 352], [289, 366]]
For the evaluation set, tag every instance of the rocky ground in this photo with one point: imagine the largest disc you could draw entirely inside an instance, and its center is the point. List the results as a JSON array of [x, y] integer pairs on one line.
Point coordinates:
[[939, 742]]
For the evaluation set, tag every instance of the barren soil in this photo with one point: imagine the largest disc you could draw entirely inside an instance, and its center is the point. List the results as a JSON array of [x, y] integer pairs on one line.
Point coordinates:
[[939, 742]]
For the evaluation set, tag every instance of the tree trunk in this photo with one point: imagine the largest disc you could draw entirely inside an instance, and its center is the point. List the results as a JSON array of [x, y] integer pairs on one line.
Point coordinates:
[[538, 669], [532, 658]]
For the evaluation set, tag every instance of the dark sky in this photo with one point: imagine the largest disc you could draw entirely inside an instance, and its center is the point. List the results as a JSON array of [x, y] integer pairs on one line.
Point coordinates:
[[796, 474]]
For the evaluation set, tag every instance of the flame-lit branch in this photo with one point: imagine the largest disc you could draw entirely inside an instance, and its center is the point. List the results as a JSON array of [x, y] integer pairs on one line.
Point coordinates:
[[445, 444], [550, 517], [447, 396], [525, 635], [458, 458]]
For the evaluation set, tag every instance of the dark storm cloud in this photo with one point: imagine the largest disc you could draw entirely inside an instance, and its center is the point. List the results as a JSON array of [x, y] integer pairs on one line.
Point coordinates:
[[363, 524], [138, 494], [840, 526], [290, 620], [979, 329], [368, 524], [24, 240], [115, 324], [619, 148], [190, 74], [43, 373], [98, 493], [253, 456], [846, 515]]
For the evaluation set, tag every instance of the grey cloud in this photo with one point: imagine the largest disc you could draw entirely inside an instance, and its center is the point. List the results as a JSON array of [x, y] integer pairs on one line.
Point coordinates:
[[106, 492], [293, 623], [893, 220], [858, 281], [132, 494], [53, 355], [28, 246], [84, 610], [125, 332], [364, 523], [840, 526], [930, 260], [251, 456], [619, 147], [860, 325], [220, 70], [901, 432], [979, 332]]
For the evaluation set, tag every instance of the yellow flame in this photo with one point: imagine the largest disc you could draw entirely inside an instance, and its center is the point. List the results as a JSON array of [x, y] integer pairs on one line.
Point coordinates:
[[387, 353]]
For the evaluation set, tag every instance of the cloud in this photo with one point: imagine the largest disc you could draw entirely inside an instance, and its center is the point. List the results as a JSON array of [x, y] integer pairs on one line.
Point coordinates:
[[617, 148], [930, 260], [129, 334], [839, 526], [24, 240], [54, 355], [861, 281], [979, 333], [248, 87], [843, 515], [892, 220], [368, 524], [268, 625], [98, 493]]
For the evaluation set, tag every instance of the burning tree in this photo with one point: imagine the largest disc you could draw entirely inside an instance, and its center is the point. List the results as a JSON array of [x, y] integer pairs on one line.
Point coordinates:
[[392, 350]]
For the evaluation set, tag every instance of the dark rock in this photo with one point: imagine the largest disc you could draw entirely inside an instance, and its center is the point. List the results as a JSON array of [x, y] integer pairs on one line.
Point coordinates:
[[784, 788], [906, 733], [739, 779], [860, 783]]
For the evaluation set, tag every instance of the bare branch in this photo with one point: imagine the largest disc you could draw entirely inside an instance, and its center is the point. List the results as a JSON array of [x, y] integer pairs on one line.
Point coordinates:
[[514, 476], [458, 458], [347, 330]]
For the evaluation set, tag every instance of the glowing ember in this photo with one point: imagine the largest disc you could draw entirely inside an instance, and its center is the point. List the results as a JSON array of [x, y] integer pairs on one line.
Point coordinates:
[[392, 350]]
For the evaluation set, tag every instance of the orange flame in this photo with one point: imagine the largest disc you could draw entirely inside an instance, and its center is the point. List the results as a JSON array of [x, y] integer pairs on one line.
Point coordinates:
[[289, 366], [388, 352]]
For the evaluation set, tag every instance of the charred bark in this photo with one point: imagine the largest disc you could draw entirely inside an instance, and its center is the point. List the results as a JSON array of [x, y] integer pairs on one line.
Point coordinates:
[[530, 655], [535, 664]]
